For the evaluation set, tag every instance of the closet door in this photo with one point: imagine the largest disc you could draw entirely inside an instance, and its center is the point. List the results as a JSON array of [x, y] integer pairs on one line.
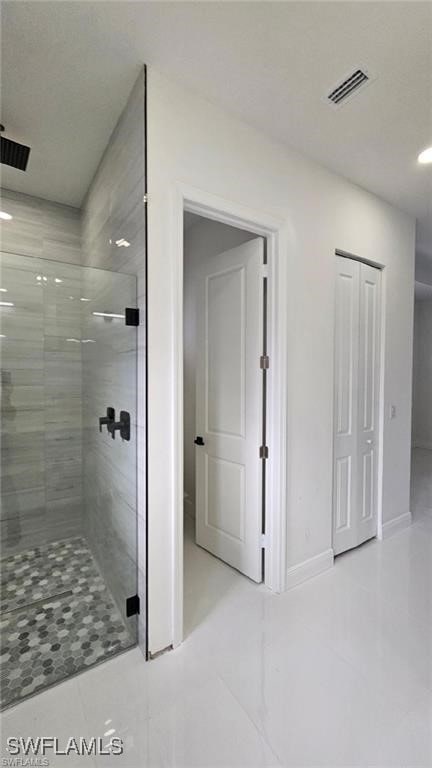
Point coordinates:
[[356, 409], [345, 480], [368, 401]]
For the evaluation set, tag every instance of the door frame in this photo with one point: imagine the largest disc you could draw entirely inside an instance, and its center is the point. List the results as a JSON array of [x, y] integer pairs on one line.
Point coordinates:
[[381, 379], [194, 200]]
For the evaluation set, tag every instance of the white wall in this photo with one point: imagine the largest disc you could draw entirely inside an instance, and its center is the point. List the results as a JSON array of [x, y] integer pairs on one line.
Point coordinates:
[[203, 240], [422, 375], [194, 142]]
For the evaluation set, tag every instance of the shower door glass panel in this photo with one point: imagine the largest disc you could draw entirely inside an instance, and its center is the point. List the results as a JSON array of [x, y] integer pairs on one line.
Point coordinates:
[[68, 486], [109, 361]]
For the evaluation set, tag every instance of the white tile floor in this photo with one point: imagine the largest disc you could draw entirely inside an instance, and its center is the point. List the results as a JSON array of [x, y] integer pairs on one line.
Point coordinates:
[[337, 672]]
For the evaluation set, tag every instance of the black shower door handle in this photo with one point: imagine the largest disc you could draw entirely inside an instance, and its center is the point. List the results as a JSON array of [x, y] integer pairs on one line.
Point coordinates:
[[122, 426], [108, 419]]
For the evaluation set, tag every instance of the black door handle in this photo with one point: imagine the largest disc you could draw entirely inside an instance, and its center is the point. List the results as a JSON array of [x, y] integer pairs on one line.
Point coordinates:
[[108, 419], [199, 441]]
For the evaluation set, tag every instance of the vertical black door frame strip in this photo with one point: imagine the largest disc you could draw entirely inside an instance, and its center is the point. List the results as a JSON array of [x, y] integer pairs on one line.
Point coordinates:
[[146, 406]]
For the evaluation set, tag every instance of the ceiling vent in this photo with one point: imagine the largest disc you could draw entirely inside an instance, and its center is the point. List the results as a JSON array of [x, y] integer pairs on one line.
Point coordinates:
[[349, 86], [13, 154]]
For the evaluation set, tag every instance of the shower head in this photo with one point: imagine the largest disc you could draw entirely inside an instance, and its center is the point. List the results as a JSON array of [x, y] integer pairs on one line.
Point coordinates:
[[13, 154]]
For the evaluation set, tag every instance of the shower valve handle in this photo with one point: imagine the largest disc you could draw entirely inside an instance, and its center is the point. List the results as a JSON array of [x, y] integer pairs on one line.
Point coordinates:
[[122, 426], [108, 419]]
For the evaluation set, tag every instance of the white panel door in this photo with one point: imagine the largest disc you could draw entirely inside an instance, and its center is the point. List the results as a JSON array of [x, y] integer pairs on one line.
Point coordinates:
[[368, 400], [356, 406], [345, 478], [229, 407]]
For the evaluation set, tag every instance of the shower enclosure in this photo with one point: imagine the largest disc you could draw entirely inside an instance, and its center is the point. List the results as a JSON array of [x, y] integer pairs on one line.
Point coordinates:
[[68, 348]]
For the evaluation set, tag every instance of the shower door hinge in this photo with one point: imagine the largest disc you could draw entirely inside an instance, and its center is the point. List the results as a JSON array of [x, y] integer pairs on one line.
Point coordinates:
[[264, 362], [132, 605], [132, 316], [263, 452], [264, 541], [264, 270], [145, 199]]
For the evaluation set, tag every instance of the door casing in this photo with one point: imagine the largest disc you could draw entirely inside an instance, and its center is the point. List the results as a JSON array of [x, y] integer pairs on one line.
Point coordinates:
[[275, 231]]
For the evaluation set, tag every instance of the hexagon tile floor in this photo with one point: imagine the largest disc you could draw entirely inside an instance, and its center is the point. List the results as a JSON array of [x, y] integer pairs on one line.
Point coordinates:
[[57, 618]]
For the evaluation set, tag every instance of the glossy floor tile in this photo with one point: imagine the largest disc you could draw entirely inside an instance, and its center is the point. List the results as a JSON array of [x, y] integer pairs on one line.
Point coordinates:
[[336, 672]]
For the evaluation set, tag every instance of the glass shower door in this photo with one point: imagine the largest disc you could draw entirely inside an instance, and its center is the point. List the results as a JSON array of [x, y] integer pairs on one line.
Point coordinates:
[[109, 386], [68, 470]]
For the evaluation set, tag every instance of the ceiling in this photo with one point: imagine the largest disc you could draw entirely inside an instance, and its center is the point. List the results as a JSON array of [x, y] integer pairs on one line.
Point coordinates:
[[68, 67], [63, 87]]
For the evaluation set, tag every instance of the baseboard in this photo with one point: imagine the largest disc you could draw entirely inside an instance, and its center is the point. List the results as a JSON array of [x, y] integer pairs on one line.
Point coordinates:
[[397, 524], [309, 568]]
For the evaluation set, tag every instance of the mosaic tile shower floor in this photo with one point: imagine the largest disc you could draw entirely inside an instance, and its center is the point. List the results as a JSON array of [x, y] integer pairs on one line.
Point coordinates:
[[57, 618]]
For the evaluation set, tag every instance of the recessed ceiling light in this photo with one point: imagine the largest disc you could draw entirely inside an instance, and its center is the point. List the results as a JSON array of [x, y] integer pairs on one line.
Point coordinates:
[[2, 336], [7, 304], [122, 243], [425, 156], [57, 280], [5, 216], [84, 299], [3, 290]]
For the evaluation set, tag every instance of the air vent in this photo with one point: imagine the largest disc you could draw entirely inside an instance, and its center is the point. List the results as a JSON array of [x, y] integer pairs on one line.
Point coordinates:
[[349, 86], [14, 154]]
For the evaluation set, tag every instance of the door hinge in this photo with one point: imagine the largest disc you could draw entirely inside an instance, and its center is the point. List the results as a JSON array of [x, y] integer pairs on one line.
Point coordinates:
[[132, 316], [265, 270], [132, 605], [263, 452], [145, 199], [264, 541], [264, 362]]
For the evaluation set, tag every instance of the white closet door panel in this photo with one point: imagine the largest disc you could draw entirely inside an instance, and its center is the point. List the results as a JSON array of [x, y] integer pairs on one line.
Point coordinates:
[[356, 407], [345, 405], [368, 399], [229, 407]]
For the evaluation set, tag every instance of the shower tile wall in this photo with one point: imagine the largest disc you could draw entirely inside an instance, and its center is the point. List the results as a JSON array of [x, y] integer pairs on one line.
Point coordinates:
[[114, 210], [40, 228], [40, 375]]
